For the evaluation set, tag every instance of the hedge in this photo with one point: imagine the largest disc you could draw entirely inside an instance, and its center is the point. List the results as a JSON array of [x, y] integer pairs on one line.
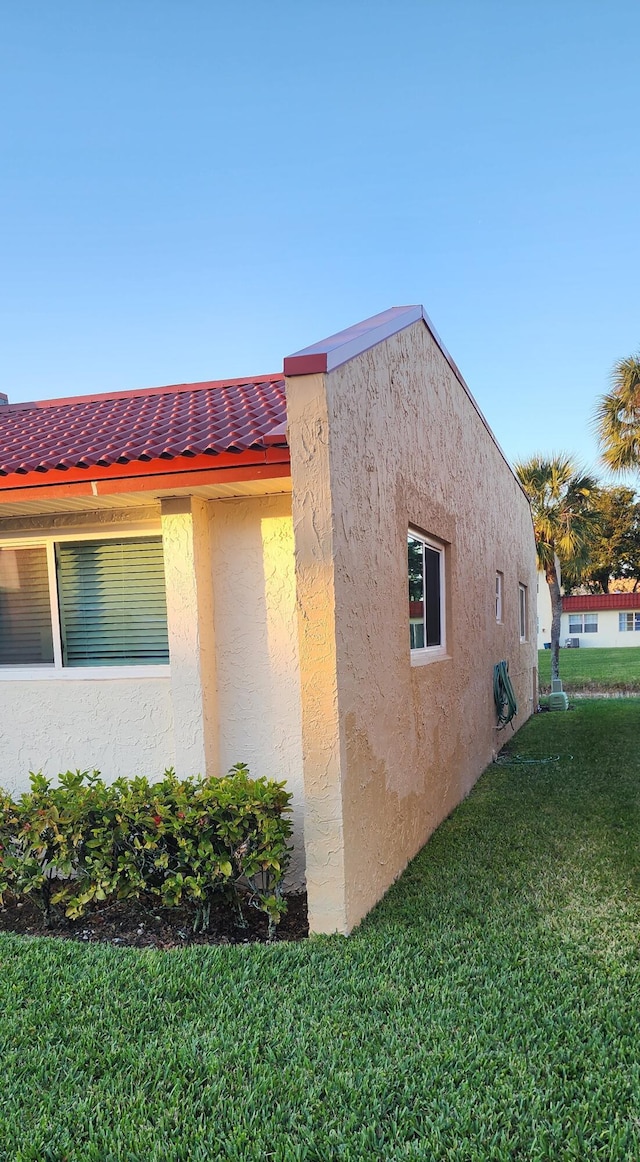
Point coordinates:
[[181, 841]]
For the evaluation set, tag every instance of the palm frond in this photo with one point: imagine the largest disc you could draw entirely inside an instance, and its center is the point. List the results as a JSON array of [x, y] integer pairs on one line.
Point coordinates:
[[617, 417]]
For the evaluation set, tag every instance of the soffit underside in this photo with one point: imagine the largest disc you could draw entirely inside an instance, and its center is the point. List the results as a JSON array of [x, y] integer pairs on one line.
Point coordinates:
[[54, 505]]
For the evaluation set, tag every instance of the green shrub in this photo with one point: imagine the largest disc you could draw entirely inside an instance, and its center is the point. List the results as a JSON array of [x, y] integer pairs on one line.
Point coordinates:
[[183, 841]]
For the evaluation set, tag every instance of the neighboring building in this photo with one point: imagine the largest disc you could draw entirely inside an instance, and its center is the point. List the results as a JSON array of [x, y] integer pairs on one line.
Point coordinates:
[[593, 619], [312, 573], [601, 619], [544, 611]]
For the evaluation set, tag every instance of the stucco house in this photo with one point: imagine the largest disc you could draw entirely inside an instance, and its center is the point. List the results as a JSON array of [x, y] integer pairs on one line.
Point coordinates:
[[590, 619], [601, 619], [313, 572]]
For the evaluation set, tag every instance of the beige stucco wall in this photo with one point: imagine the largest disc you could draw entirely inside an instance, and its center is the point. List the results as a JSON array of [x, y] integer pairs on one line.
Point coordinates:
[[120, 727], [186, 540], [388, 440], [257, 646], [232, 691]]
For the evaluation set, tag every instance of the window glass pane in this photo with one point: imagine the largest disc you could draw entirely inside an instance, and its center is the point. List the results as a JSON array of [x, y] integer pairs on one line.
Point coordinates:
[[416, 631], [432, 586], [575, 623], [591, 623], [416, 572], [523, 612], [112, 602], [25, 611], [415, 560], [637, 620]]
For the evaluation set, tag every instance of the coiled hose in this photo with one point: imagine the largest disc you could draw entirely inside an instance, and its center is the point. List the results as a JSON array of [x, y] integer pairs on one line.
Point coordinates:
[[504, 695]]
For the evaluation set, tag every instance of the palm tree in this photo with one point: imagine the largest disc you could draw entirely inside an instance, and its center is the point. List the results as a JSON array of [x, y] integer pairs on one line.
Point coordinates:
[[617, 418], [563, 501]]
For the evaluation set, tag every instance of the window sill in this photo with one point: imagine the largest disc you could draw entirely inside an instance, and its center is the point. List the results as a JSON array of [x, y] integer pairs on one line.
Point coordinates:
[[80, 673], [426, 657]]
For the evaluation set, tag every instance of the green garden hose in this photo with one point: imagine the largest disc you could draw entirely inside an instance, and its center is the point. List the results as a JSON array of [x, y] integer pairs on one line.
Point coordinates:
[[504, 694]]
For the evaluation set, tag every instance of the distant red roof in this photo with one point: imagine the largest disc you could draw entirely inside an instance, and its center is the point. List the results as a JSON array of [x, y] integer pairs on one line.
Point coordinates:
[[593, 602], [162, 423]]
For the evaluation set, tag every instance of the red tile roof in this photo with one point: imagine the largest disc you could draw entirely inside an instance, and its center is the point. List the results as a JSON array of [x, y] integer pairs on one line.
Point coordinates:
[[162, 423], [593, 602]]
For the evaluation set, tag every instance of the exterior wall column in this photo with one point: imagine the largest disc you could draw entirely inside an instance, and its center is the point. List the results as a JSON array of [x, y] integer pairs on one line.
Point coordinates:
[[315, 589], [188, 577]]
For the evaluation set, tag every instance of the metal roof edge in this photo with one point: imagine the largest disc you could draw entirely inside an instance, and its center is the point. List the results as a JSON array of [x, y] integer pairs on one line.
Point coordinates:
[[337, 349], [345, 345]]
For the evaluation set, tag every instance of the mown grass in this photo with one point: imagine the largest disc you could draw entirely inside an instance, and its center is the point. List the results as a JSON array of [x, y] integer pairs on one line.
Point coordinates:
[[598, 670], [487, 1010]]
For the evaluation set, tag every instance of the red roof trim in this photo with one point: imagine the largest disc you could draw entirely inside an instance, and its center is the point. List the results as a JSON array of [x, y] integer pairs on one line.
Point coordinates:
[[137, 470], [152, 482], [594, 602]]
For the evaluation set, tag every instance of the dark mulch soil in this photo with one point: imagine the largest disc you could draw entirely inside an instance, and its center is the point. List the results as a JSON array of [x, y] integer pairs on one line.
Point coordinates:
[[140, 924]]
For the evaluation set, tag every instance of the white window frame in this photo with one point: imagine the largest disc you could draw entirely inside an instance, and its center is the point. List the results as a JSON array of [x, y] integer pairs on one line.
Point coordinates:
[[582, 617], [523, 611], [499, 593], [47, 671], [425, 654], [634, 616]]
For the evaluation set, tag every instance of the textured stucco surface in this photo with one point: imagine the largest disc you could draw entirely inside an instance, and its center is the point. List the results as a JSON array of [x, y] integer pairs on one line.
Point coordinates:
[[190, 621], [233, 692], [121, 727], [257, 647], [388, 440]]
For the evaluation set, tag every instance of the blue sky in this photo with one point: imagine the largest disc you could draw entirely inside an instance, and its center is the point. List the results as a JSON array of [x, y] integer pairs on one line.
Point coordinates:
[[192, 190]]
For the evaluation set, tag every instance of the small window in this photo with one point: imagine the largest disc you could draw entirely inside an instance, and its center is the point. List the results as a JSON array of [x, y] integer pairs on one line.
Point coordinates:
[[583, 623], [628, 622], [523, 610], [499, 587], [426, 596]]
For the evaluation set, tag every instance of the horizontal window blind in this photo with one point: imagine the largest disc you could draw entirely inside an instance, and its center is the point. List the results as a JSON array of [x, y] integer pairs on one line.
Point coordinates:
[[112, 602], [25, 610]]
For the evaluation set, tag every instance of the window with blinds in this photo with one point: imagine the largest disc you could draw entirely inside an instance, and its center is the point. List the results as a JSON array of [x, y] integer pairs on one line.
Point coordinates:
[[112, 602], [26, 637]]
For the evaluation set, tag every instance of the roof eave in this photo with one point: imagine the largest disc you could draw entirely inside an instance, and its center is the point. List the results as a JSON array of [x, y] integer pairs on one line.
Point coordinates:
[[145, 476]]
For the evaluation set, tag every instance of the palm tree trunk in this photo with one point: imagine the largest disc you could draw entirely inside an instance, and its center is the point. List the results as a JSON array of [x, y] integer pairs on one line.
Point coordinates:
[[556, 610]]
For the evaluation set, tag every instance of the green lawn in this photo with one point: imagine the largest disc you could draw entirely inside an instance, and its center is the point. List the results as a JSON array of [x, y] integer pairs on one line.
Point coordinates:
[[593, 669], [487, 1010]]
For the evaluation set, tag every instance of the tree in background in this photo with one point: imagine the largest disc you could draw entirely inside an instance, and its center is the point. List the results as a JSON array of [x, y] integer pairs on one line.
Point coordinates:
[[565, 521], [617, 418], [615, 551]]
